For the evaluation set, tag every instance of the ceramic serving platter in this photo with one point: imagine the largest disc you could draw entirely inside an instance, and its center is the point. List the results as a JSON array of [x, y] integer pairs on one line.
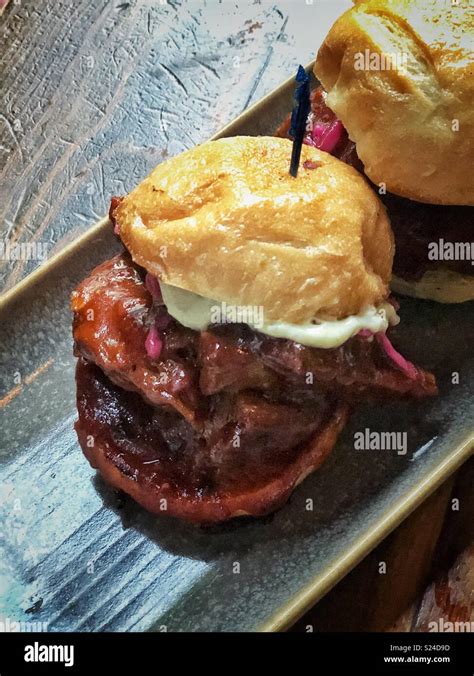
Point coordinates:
[[78, 556]]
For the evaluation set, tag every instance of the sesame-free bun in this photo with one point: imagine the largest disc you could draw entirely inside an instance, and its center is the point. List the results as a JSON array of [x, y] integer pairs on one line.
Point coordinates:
[[441, 285], [226, 220], [413, 128]]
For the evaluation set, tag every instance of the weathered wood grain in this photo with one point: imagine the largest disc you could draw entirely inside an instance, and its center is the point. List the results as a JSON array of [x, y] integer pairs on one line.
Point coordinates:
[[379, 589], [429, 572], [450, 596], [95, 93]]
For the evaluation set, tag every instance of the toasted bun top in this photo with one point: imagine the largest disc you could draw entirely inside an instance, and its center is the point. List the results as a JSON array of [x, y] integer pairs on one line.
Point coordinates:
[[226, 220], [414, 125]]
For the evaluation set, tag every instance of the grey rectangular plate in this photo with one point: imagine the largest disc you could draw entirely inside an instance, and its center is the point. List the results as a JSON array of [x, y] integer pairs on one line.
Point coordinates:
[[78, 556]]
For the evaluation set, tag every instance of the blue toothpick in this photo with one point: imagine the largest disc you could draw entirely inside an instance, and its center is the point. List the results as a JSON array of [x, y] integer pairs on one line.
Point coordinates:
[[299, 116]]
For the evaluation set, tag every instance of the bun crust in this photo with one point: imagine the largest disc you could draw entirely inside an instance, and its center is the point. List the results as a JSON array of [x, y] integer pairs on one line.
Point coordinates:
[[402, 120], [442, 286], [227, 221]]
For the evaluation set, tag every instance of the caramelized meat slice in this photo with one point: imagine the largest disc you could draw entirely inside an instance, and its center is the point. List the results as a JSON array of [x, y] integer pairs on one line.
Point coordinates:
[[227, 363], [358, 368], [234, 355], [112, 316], [248, 459]]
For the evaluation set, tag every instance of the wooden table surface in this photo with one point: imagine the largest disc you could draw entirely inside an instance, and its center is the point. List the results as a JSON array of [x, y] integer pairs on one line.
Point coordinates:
[[420, 578], [94, 94]]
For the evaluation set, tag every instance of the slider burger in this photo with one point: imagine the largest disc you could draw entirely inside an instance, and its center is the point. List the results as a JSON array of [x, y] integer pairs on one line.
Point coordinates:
[[220, 353], [397, 102]]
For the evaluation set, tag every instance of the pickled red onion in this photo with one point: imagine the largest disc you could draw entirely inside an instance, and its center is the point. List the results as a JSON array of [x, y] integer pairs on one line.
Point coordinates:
[[399, 360], [153, 343], [403, 364], [153, 286], [327, 137]]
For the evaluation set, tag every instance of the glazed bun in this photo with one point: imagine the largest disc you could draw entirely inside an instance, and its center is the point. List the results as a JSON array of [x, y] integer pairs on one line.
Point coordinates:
[[226, 220], [441, 285], [414, 126]]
